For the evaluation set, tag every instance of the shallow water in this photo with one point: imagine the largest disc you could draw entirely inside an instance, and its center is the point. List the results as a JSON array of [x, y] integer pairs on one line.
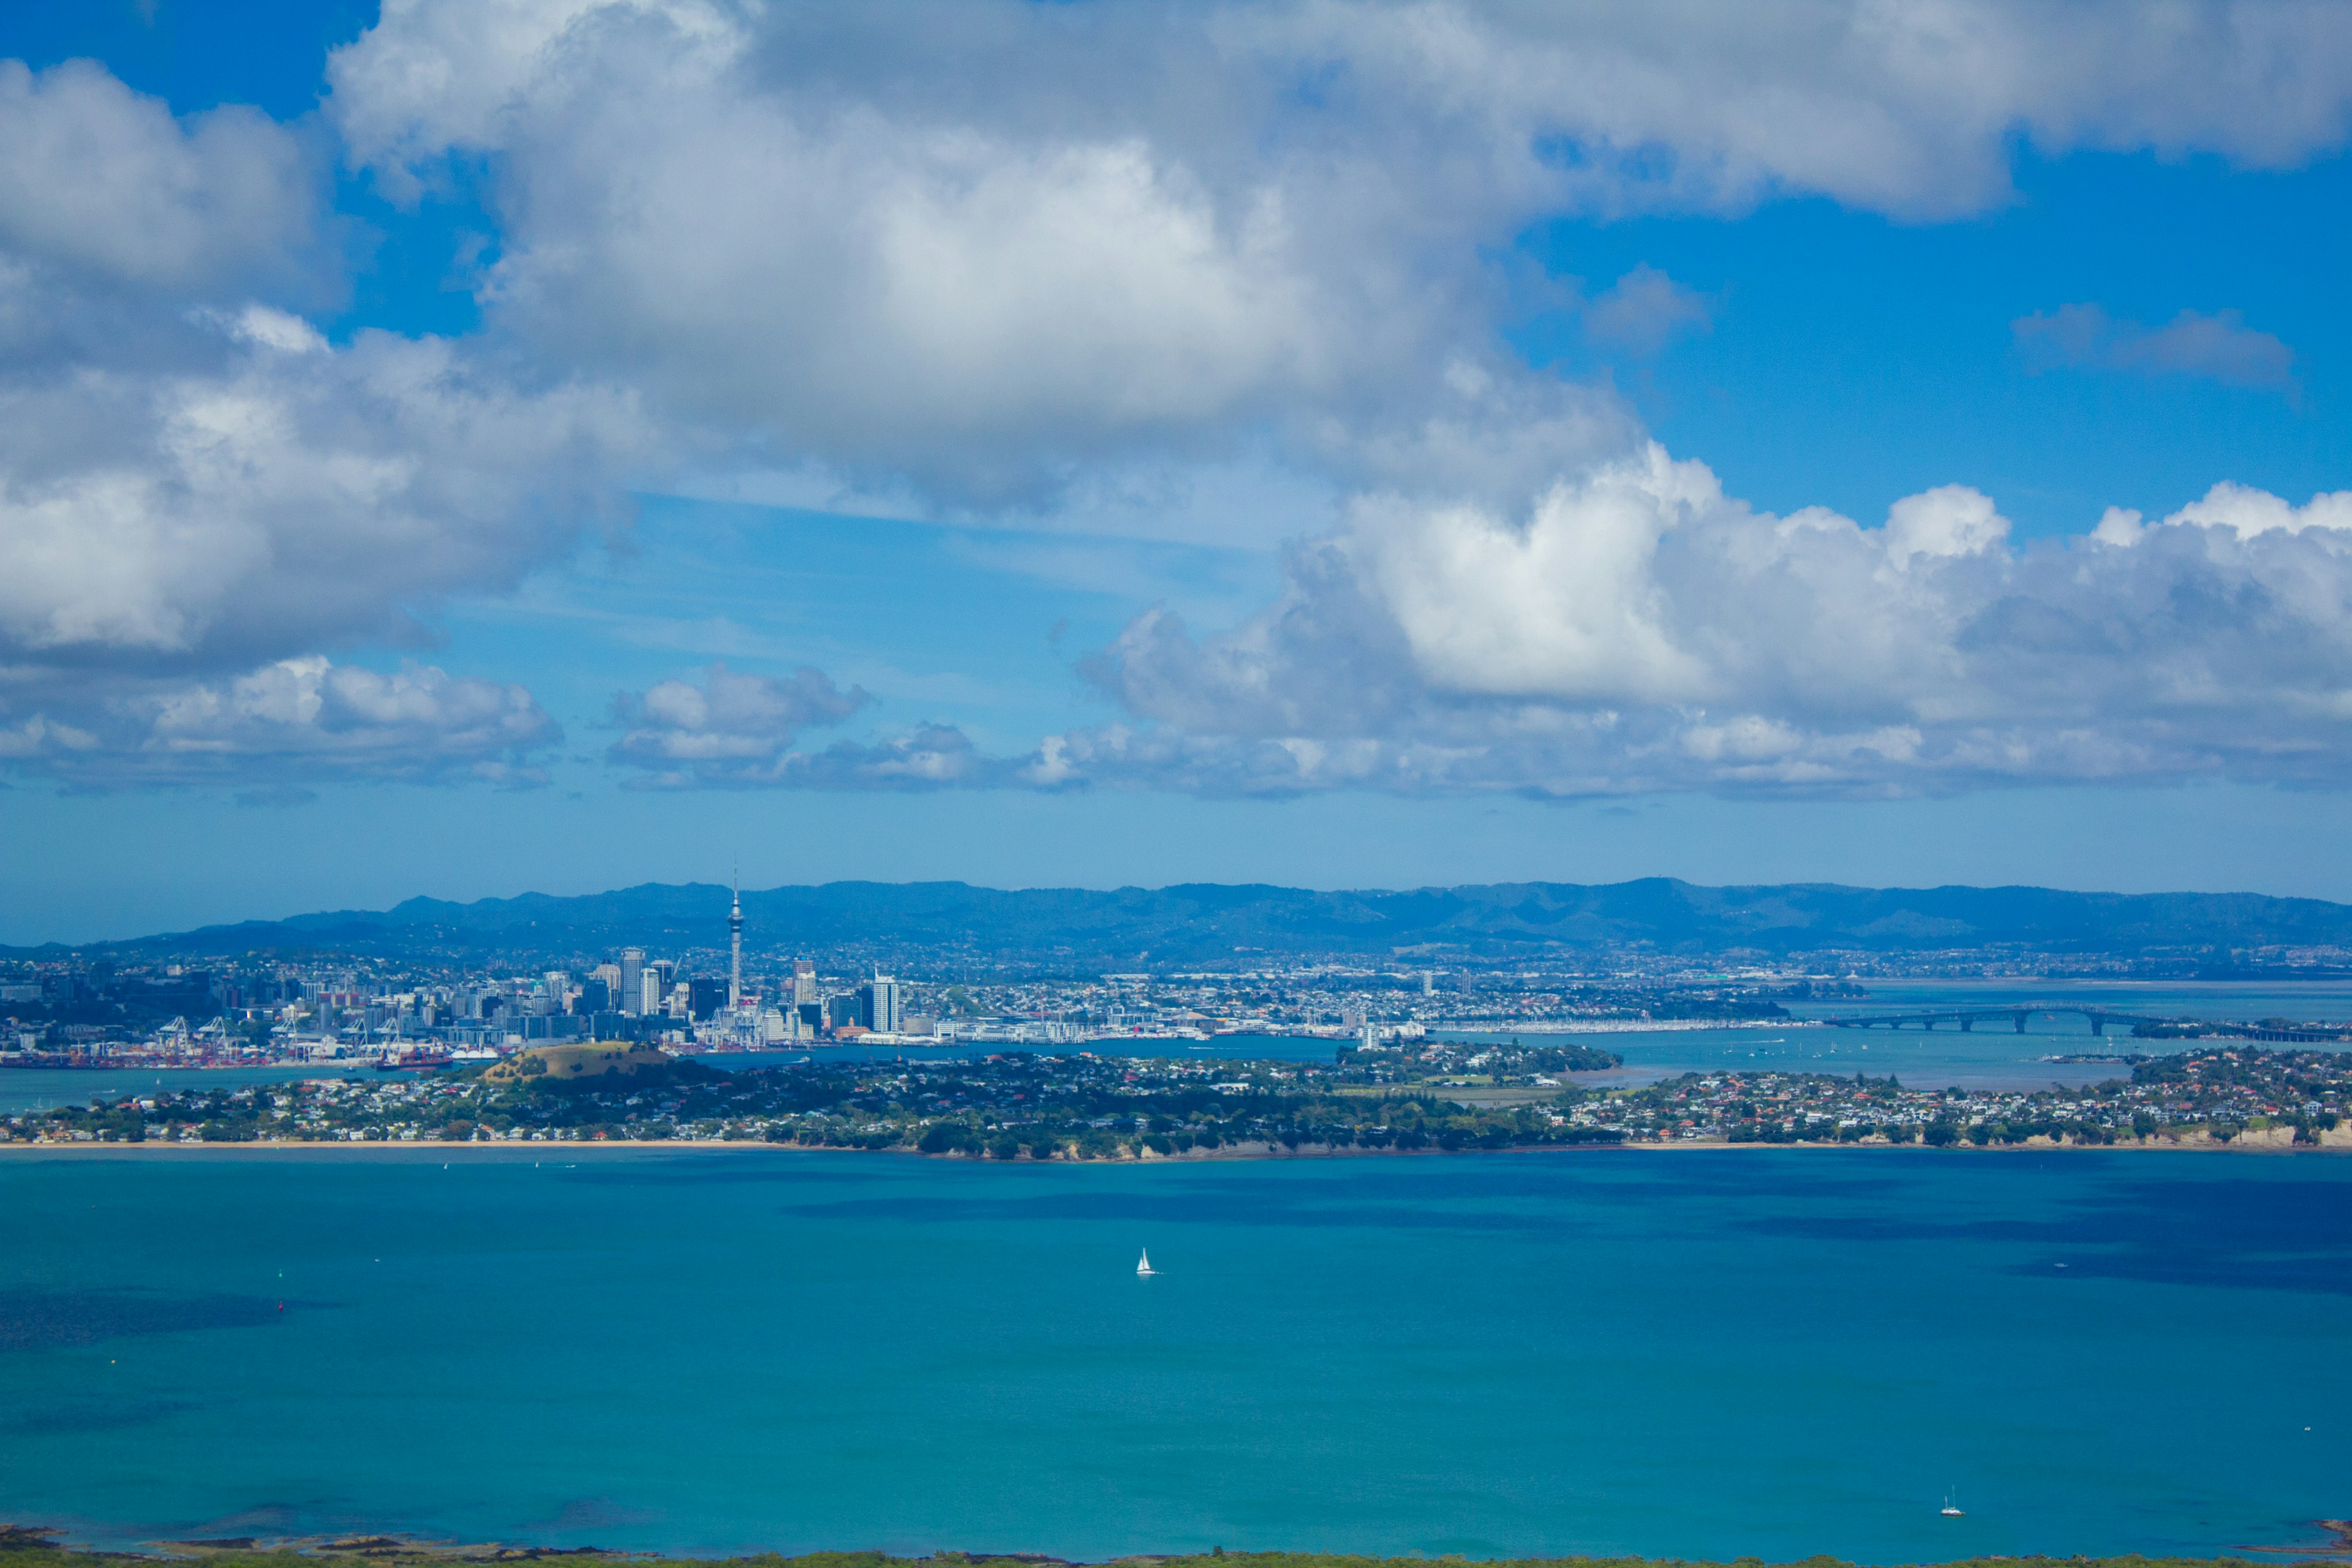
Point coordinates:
[[41, 1088], [1702, 1353]]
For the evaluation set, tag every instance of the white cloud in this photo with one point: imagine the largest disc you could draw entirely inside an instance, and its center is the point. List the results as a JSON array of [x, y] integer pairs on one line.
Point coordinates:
[[737, 730], [2219, 347], [1902, 109], [2251, 511], [298, 720], [200, 493], [1635, 629], [102, 182], [885, 292], [732, 728], [284, 498], [1018, 246]]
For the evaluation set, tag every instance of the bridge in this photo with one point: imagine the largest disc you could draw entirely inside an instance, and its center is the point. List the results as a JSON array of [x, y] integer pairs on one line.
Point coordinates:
[[2100, 1017], [1969, 1017]]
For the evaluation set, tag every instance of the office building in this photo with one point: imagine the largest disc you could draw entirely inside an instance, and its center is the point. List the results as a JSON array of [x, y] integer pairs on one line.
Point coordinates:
[[704, 997], [878, 1000], [633, 980]]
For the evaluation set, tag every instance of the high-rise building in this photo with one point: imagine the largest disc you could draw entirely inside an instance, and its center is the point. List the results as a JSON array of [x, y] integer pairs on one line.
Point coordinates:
[[886, 1017], [632, 980], [703, 999], [803, 982], [651, 995]]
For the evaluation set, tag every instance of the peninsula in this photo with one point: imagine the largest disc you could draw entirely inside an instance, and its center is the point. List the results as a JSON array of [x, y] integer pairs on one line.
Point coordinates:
[[1438, 1095]]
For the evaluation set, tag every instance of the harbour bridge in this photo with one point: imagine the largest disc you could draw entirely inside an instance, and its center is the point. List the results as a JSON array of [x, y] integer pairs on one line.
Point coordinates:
[[2100, 1017]]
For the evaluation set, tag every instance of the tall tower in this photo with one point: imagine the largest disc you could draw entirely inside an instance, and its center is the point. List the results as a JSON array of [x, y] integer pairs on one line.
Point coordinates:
[[735, 941], [632, 980]]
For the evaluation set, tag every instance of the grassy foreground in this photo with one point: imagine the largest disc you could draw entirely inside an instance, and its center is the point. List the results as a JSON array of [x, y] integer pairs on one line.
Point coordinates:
[[22, 1548]]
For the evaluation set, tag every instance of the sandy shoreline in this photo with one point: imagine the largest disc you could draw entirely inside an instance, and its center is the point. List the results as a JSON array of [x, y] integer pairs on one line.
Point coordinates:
[[2272, 1142]]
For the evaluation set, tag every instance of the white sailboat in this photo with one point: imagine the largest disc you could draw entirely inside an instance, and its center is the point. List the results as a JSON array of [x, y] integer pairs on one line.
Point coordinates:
[[1144, 1271], [1952, 1509]]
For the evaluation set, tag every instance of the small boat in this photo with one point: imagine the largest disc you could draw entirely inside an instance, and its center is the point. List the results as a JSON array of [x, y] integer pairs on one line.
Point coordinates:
[[1952, 1510], [1143, 1269]]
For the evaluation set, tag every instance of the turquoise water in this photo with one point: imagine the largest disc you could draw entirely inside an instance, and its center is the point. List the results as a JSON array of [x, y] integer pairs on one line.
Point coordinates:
[[42, 1088], [1693, 1352]]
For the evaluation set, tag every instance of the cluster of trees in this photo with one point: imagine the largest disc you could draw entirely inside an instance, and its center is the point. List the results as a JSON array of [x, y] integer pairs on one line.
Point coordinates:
[[1045, 1141], [219, 1116]]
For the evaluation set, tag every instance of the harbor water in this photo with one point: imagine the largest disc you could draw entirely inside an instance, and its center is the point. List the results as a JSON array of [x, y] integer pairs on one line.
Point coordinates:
[[1704, 1353]]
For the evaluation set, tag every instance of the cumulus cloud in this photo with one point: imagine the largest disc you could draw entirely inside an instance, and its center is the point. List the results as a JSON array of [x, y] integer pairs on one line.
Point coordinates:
[[738, 731], [287, 498], [1016, 244], [732, 729], [891, 292], [294, 722], [1636, 630], [2219, 347], [104, 182], [201, 496], [1903, 109]]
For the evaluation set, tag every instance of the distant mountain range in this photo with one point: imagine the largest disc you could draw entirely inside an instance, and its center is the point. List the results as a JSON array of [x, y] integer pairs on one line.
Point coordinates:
[[1206, 922]]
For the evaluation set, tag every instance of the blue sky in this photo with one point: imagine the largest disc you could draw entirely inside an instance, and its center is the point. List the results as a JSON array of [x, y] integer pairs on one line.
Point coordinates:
[[554, 445]]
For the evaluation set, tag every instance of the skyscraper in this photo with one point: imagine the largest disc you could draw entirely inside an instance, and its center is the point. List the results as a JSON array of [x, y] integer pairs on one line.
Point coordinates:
[[803, 982], [735, 941], [632, 980], [886, 1005]]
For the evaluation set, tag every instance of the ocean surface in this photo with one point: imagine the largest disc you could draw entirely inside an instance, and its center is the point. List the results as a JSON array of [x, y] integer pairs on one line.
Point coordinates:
[[1696, 1352]]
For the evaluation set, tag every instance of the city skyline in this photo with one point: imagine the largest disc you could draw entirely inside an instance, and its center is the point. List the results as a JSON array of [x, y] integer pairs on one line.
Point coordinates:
[[458, 450]]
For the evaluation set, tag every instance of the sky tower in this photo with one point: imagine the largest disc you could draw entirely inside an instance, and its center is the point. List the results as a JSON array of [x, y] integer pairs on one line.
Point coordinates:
[[735, 941]]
